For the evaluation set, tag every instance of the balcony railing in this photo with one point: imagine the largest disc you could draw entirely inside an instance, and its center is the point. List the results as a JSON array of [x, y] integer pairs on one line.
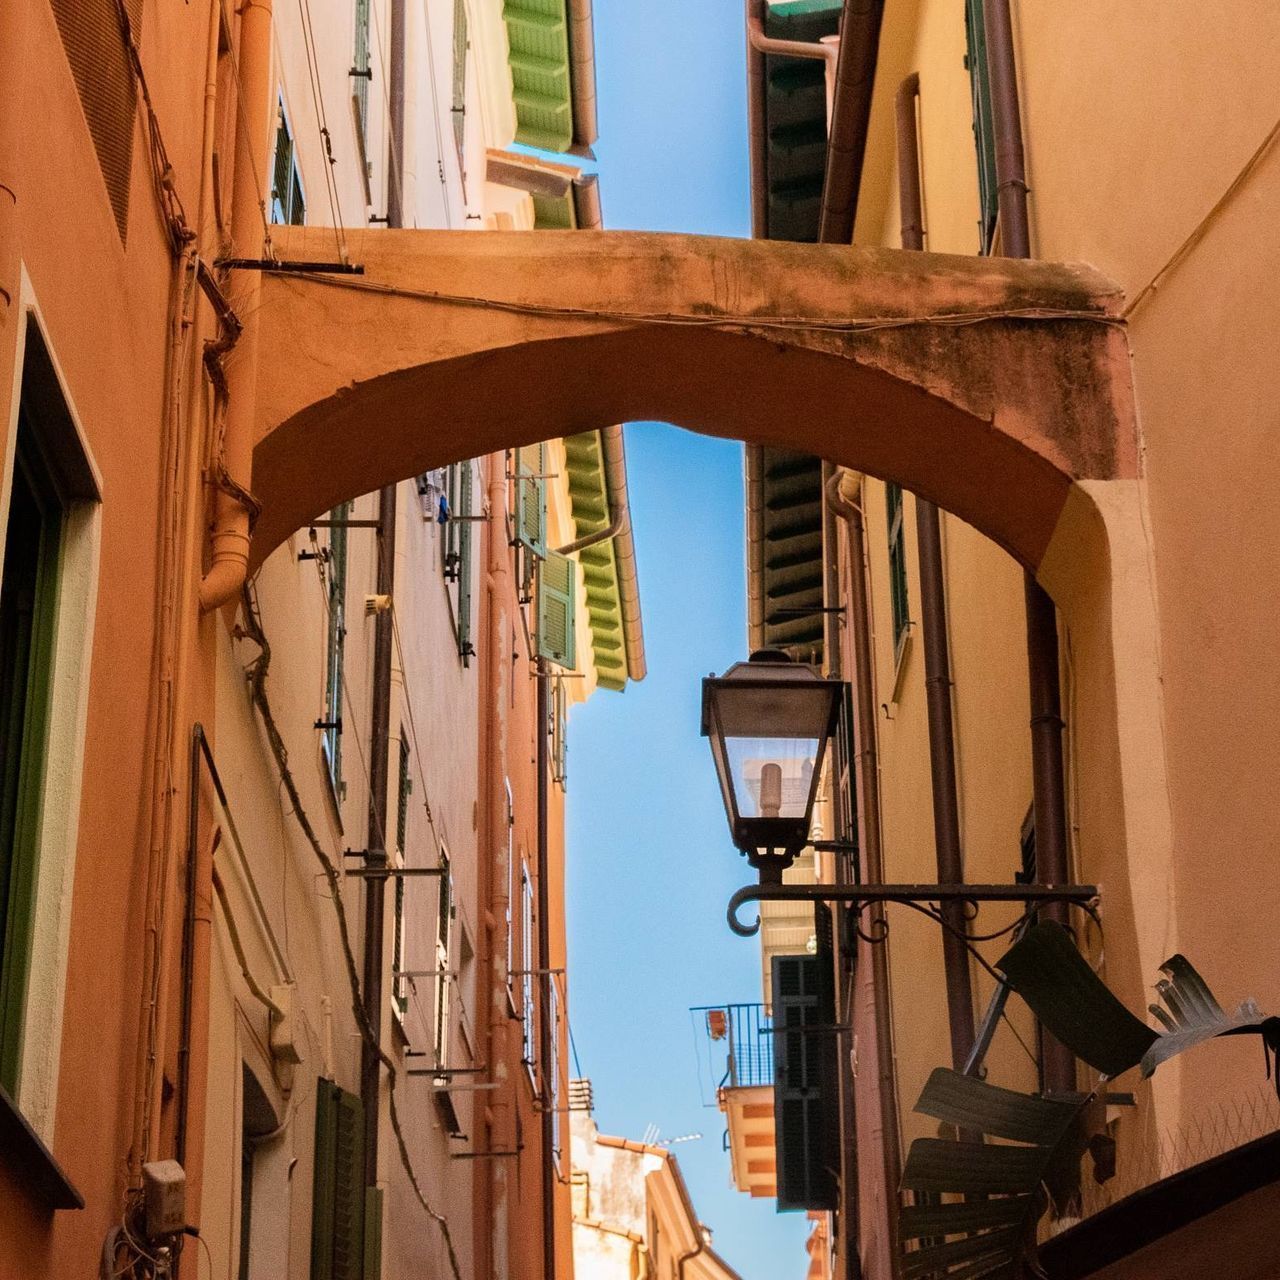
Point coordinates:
[[739, 1041]]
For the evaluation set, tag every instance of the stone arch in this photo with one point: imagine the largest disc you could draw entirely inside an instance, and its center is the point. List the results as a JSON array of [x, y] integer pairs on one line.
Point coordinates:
[[998, 389]]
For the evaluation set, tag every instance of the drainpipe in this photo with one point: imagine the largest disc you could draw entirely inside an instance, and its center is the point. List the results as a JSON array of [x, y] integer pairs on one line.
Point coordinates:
[[937, 656], [1049, 802], [545, 1030], [492, 1234], [867, 775], [14, 19], [234, 467], [755, 124], [855, 76], [375, 887]]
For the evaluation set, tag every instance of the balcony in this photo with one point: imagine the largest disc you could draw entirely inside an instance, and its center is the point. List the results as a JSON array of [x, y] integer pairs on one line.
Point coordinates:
[[736, 1040]]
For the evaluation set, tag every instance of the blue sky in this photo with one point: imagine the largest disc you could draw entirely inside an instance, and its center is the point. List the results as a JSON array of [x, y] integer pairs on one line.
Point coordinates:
[[650, 863]]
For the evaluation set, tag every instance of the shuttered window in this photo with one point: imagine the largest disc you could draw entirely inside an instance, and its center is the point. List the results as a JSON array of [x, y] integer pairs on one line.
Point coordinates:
[[361, 72], [557, 583], [458, 566], [530, 514], [897, 566], [529, 1049], [335, 648], [94, 43], [287, 202], [458, 103], [338, 1203], [28, 604], [983, 129], [559, 736], [444, 947], [805, 1065]]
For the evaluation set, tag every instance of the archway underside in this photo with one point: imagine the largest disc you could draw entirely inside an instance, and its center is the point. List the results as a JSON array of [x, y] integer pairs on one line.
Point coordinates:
[[987, 385]]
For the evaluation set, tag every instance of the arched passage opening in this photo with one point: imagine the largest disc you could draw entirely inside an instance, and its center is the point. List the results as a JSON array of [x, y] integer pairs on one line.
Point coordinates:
[[999, 390]]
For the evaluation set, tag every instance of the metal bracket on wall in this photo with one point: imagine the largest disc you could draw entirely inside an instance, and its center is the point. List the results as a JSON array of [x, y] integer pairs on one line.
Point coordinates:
[[928, 899]]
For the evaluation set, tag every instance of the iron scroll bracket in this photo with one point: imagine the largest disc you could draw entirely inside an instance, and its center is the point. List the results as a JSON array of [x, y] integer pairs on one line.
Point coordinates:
[[937, 901]]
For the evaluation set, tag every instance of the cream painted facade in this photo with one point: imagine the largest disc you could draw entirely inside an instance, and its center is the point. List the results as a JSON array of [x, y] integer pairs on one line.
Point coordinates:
[[1121, 173], [632, 1216]]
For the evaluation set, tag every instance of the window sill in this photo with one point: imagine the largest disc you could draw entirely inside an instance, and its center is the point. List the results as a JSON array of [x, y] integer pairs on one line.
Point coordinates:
[[33, 1162]]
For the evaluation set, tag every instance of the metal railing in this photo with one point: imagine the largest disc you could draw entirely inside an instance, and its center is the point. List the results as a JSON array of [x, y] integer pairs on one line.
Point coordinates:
[[739, 1036]]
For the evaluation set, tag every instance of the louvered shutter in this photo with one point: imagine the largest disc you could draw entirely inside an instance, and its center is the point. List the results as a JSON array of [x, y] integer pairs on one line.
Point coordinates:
[[360, 69], [465, 647], [806, 1115], [556, 582], [531, 499], [373, 1233], [459, 101], [338, 1201]]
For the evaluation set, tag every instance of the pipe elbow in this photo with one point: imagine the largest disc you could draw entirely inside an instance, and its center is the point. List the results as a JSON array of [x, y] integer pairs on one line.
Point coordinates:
[[230, 568]]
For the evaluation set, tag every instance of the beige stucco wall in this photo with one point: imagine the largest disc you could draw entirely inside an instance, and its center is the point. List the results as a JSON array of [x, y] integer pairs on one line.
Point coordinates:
[[1122, 167]]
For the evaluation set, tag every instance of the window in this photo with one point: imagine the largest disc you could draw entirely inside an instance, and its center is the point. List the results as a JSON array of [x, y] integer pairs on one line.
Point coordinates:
[[559, 728], [48, 588], [28, 604], [404, 789], [897, 567], [459, 100], [346, 1216], [361, 74], [330, 724], [260, 1176], [529, 1051], [287, 201], [457, 553], [557, 609], [530, 514], [553, 1068], [444, 939], [983, 129]]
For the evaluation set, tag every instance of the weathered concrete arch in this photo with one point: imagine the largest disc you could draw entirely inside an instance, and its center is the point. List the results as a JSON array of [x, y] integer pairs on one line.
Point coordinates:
[[455, 345]]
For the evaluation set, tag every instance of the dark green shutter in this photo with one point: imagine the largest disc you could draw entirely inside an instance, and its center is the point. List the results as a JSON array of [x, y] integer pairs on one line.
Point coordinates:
[[805, 1062], [360, 69], [556, 608], [465, 647], [372, 1233], [897, 563], [983, 128], [338, 1200], [28, 606]]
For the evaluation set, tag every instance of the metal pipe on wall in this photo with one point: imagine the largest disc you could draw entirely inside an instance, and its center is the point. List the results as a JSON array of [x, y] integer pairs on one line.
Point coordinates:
[[545, 1029], [937, 654], [375, 887], [1049, 800], [230, 543], [867, 776]]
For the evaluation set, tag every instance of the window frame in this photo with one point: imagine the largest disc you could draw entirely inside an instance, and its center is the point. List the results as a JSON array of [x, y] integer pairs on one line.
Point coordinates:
[[290, 210], [899, 594], [446, 916], [975, 31]]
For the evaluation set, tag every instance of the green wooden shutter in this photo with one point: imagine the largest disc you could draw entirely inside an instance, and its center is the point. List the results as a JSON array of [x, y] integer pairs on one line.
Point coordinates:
[[28, 615], [338, 1200], [531, 499], [897, 564], [459, 103], [282, 169], [805, 1063], [983, 127], [360, 69], [557, 580], [373, 1233], [465, 647]]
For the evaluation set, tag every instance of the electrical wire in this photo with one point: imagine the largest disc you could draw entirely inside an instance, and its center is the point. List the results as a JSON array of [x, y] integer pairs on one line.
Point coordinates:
[[798, 323], [1201, 228], [435, 118], [257, 676], [322, 123]]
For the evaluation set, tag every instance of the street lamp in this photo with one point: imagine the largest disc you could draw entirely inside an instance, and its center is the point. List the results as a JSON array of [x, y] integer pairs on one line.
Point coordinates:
[[769, 721]]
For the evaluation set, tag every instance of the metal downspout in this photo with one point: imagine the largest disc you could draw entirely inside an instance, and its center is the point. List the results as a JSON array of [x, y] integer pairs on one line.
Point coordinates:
[[545, 1030], [867, 774], [850, 116], [1048, 778], [233, 470], [380, 711], [937, 655]]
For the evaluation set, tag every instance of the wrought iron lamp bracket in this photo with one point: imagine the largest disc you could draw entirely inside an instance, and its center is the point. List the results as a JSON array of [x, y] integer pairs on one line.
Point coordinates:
[[932, 900]]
